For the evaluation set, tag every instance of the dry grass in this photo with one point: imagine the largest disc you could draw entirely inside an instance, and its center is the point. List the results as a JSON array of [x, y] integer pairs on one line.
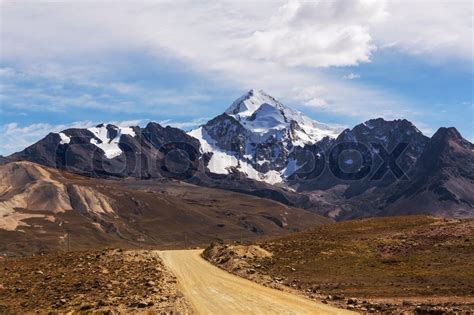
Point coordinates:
[[399, 256], [398, 265]]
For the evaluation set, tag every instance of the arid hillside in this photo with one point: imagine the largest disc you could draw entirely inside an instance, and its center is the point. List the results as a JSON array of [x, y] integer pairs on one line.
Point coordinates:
[[411, 263], [44, 209]]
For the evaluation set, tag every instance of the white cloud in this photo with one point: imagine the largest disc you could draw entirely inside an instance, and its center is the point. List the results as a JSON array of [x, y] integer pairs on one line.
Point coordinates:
[[270, 44], [364, 103], [310, 96], [185, 125], [351, 76], [318, 33], [313, 33], [434, 29]]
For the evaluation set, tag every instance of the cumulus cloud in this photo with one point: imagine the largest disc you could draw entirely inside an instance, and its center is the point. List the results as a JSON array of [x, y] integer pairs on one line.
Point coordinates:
[[319, 33], [310, 96], [277, 45]]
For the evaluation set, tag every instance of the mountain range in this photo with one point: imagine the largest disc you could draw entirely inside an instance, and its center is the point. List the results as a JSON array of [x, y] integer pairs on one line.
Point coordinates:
[[258, 147]]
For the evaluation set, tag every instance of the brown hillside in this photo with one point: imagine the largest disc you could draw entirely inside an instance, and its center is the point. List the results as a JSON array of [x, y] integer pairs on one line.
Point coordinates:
[[416, 259], [44, 209]]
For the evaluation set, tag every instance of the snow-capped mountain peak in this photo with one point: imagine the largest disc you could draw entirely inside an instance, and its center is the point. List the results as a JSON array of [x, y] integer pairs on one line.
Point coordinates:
[[248, 103], [262, 114], [260, 133]]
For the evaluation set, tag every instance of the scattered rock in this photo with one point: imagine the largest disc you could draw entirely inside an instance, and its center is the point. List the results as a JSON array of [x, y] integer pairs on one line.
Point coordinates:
[[132, 281], [86, 306], [142, 304], [352, 301], [102, 303]]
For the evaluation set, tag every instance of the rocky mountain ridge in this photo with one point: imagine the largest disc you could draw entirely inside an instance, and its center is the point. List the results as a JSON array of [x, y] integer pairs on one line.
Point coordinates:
[[256, 135], [109, 150], [260, 147]]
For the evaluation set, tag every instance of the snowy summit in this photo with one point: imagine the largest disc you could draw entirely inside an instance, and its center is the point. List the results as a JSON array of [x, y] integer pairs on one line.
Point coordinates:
[[256, 136], [261, 113]]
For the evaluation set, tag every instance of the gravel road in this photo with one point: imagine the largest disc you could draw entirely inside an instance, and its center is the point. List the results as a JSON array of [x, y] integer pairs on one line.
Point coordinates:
[[211, 290]]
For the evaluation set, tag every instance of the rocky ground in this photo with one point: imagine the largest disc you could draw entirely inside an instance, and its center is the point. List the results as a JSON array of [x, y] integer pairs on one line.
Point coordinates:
[[108, 281], [420, 265]]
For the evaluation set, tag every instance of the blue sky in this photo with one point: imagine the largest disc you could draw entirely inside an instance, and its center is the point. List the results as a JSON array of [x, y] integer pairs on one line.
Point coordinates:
[[181, 63]]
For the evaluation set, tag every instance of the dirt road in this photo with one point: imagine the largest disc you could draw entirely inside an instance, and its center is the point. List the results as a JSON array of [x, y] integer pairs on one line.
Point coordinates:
[[211, 290]]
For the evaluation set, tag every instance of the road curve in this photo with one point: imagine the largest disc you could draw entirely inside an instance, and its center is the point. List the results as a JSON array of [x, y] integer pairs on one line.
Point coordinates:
[[211, 290]]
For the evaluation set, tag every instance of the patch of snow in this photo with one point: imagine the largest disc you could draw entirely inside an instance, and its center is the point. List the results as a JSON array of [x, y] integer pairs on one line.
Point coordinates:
[[109, 145], [265, 118], [203, 138], [220, 162], [271, 177], [223, 162], [291, 168], [64, 138], [261, 162], [369, 125]]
